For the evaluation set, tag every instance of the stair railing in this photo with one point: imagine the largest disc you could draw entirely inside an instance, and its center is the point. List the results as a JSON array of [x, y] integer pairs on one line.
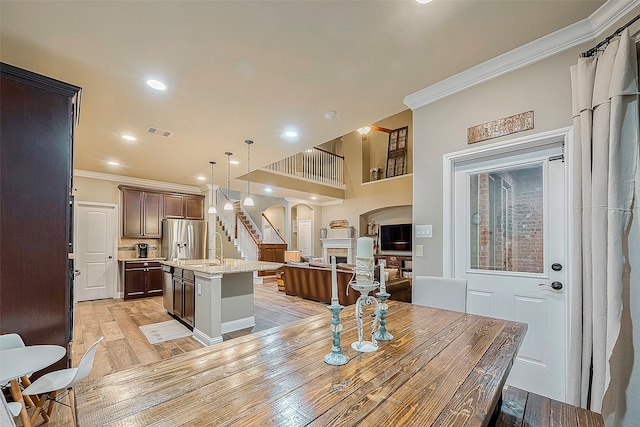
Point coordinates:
[[274, 229], [315, 165]]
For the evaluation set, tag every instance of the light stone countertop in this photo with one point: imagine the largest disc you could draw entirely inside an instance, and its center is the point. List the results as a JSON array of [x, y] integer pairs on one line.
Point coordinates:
[[122, 259], [210, 266]]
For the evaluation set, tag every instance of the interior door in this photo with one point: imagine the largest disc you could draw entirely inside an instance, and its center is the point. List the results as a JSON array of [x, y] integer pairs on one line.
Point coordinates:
[[305, 241], [95, 251], [510, 246]]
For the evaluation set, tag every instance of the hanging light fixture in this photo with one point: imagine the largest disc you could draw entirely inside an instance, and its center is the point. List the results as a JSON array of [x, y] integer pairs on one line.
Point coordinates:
[[248, 201], [212, 207], [228, 206]]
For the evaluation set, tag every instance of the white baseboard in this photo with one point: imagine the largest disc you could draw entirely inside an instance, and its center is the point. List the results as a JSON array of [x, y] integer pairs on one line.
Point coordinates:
[[234, 325], [119, 295], [205, 339]]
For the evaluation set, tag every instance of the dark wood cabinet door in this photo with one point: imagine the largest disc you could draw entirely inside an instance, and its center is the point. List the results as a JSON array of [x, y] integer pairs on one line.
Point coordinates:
[[194, 207], [178, 297], [154, 281], [174, 206], [188, 314], [132, 213], [152, 215], [134, 283]]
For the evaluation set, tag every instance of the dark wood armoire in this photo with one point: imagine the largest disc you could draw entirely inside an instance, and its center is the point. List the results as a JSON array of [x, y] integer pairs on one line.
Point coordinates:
[[37, 118]]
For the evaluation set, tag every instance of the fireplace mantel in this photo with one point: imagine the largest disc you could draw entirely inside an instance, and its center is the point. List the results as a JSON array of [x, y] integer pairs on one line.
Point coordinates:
[[339, 243]]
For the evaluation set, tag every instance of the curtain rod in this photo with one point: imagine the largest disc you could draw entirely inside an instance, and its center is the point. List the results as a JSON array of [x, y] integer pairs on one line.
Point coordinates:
[[606, 41]]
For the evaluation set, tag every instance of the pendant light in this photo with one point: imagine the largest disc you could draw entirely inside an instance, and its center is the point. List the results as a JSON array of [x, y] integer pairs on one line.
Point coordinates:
[[248, 201], [212, 207], [228, 206]]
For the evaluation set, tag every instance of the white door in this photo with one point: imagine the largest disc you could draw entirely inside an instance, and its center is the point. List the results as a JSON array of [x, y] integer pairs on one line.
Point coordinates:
[[305, 242], [510, 246], [95, 251]]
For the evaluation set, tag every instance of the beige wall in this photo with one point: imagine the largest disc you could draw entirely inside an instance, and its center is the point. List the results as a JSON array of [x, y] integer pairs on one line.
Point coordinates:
[[96, 190], [361, 198], [441, 127]]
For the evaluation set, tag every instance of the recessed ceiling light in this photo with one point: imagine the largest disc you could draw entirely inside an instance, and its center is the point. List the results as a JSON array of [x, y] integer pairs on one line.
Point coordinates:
[[129, 137], [291, 134], [268, 189], [156, 84], [330, 114], [314, 198], [423, 1], [234, 162], [114, 163], [201, 178]]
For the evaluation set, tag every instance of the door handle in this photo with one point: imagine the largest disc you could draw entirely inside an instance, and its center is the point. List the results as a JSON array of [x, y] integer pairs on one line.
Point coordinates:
[[76, 273], [556, 286]]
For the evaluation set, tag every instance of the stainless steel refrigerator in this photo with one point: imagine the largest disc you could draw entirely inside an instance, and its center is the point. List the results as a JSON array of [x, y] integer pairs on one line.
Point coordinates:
[[183, 239]]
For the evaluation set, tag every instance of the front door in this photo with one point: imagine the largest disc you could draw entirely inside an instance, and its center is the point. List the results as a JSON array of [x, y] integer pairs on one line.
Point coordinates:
[[95, 250], [509, 216]]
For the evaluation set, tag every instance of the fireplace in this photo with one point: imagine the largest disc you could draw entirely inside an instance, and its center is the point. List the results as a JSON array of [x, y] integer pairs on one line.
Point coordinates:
[[342, 249]]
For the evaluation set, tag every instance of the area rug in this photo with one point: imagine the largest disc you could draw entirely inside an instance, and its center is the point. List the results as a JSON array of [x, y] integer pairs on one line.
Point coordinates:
[[165, 331]]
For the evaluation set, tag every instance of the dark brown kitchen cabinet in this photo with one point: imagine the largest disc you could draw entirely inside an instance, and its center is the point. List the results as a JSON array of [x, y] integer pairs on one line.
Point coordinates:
[[142, 213], [184, 296], [142, 279], [183, 206], [37, 118]]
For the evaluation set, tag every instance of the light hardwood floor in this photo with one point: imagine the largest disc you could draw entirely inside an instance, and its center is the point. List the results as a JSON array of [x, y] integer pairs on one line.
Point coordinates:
[[124, 346]]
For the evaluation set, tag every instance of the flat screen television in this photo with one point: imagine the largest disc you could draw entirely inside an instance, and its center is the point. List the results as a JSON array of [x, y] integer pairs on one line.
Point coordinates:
[[395, 238]]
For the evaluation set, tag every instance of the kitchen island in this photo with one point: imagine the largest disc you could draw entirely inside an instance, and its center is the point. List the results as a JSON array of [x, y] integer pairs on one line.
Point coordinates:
[[223, 295]]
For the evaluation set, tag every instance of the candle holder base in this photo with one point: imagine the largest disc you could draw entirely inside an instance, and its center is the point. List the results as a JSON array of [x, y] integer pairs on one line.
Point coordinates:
[[336, 357], [364, 346], [382, 334]]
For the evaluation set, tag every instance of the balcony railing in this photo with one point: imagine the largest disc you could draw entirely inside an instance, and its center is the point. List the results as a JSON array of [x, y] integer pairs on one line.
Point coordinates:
[[313, 165]]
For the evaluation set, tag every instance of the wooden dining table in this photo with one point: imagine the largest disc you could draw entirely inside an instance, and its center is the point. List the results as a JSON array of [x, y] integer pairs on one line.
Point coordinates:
[[442, 368]]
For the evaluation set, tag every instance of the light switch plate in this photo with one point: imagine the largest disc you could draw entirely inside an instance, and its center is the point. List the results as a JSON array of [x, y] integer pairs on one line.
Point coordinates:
[[419, 250], [424, 230]]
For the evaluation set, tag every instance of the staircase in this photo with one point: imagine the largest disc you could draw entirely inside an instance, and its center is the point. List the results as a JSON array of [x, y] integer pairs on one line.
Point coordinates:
[[247, 238]]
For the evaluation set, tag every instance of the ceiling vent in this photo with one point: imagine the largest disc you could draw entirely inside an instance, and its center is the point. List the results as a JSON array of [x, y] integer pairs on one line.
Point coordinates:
[[159, 132]]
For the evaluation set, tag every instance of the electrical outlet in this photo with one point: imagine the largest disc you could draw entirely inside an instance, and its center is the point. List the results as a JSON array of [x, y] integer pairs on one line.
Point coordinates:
[[419, 250]]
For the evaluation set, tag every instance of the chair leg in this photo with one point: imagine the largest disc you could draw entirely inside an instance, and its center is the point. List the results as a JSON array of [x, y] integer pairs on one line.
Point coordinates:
[[38, 409], [17, 396], [51, 402], [72, 404], [26, 383]]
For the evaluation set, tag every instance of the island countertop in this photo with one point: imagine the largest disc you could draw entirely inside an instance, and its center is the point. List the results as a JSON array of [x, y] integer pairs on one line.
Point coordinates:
[[210, 266]]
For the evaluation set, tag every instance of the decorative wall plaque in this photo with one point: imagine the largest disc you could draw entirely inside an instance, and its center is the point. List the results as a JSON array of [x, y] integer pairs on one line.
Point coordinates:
[[339, 223], [508, 125]]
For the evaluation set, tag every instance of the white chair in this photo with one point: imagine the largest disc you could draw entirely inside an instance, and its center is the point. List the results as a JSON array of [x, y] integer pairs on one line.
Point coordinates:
[[440, 292], [7, 342], [48, 385]]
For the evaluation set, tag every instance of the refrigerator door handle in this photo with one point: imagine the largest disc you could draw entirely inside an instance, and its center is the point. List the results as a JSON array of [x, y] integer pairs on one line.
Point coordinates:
[[190, 240]]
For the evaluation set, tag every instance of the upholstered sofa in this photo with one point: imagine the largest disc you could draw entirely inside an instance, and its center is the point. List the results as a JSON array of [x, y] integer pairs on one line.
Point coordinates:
[[313, 281]]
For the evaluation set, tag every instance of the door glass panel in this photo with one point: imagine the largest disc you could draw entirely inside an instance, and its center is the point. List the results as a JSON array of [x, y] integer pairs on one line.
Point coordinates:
[[506, 219]]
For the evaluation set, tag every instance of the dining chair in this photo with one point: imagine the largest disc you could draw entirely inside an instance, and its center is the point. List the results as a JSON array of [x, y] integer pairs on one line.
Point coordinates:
[[7, 342], [440, 292], [48, 385]]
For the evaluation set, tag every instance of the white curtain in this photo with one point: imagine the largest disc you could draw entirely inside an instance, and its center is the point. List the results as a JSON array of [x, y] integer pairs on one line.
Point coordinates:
[[604, 352]]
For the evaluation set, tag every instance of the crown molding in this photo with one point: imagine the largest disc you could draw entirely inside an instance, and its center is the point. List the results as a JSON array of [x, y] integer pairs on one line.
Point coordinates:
[[580, 32], [140, 182]]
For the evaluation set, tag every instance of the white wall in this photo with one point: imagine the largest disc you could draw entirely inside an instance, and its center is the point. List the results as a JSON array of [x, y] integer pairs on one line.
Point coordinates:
[[441, 127]]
